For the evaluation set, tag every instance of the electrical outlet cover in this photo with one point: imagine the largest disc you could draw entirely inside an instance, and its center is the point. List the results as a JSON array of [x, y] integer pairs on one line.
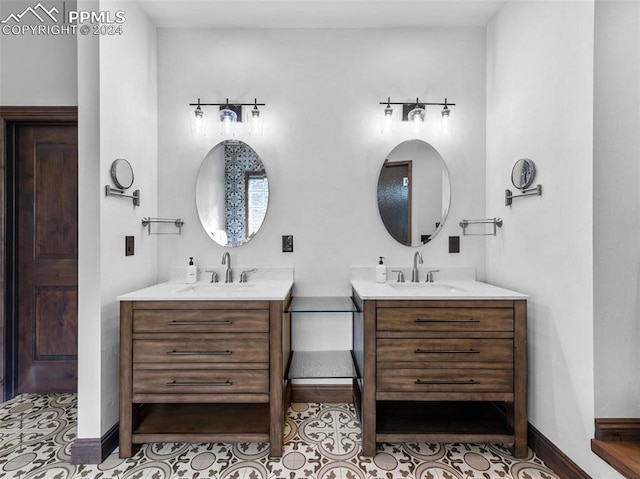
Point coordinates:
[[129, 249], [454, 244], [287, 243]]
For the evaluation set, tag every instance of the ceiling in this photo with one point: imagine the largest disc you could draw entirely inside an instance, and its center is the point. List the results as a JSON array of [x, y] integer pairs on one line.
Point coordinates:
[[320, 13]]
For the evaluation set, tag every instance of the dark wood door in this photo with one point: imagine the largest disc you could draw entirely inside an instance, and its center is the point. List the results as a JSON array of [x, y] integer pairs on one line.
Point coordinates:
[[46, 257], [394, 199]]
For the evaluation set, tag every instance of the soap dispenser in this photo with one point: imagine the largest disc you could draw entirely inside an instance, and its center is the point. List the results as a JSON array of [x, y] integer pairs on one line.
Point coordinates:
[[381, 272], [192, 272]]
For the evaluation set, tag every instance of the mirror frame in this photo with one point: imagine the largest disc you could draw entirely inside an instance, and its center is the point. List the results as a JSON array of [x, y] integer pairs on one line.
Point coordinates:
[[445, 170], [117, 178], [263, 171], [520, 166]]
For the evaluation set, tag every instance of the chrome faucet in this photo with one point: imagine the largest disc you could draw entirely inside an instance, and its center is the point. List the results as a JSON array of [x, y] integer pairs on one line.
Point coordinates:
[[214, 275], [417, 258], [243, 275], [226, 259], [430, 275], [400, 275]]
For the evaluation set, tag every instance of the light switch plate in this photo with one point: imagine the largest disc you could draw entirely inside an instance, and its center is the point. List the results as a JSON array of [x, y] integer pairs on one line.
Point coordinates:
[[128, 246], [454, 244], [287, 243]]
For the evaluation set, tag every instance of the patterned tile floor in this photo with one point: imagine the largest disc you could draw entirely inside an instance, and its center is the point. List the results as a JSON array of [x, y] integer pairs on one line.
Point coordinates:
[[322, 442]]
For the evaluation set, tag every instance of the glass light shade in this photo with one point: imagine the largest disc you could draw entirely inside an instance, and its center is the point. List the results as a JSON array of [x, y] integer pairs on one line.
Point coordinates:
[[198, 123], [255, 122], [387, 121], [228, 120], [446, 121], [416, 120]]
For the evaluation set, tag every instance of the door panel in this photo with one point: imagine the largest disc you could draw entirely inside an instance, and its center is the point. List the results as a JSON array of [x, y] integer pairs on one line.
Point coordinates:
[[56, 210], [394, 200], [56, 317], [46, 258]]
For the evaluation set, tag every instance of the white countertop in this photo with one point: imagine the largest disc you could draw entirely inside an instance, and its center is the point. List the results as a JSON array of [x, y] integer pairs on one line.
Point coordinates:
[[272, 290], [454, 289]]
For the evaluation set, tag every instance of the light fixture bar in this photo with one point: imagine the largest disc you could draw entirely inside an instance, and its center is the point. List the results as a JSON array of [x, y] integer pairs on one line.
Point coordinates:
[[409, 107], [415, 114], [446, 103], [229, 115], [227, 105], [237, 104]]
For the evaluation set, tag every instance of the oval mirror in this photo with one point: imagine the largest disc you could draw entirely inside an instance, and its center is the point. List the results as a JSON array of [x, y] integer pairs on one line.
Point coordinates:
[[122, 173], [232, 193], [523, 173], [414, 192]]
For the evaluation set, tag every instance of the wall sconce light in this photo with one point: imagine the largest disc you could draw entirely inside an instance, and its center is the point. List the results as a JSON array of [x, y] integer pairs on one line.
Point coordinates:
[[416, 117], [229, 115], [255, 121], [414, 113], [228, 119], [387, 122], [198, 122], [445, 117]]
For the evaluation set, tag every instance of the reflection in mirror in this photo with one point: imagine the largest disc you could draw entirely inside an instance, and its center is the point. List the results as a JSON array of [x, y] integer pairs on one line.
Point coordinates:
[[523, 173], [232, 193], [413, 192], [122, 173]]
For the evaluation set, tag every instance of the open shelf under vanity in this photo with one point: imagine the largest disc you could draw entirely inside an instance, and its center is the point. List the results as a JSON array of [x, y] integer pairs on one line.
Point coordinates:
[[439, 421], [322, 364], [202, 422]]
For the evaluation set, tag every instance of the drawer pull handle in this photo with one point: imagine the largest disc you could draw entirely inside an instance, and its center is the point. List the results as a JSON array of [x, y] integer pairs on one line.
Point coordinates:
[[201, 383], [446, 351], [198, 353], [469, 381], [423, 320], [198, 323]]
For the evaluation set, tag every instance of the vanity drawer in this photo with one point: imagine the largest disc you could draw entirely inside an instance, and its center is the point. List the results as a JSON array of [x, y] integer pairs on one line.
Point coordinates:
[[205, 349], [469, 350], [444, 319], [445, 380], [201, 321], [213, 381]]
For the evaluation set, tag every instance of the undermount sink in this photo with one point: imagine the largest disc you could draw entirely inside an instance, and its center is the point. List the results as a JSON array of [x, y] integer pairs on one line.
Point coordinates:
[[215, 288], [426, 288]]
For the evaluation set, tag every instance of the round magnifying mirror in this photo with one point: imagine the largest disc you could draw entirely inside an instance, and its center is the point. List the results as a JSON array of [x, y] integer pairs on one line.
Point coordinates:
[[232, 193], [414, 192], [122, 173], [523, 173]]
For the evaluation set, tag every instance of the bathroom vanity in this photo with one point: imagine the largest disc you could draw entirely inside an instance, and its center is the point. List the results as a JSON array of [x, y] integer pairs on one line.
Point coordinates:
[[204, 363], [440, 362]]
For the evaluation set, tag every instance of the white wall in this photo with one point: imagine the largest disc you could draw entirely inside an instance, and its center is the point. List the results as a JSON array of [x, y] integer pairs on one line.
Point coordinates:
[[128, 126], [118, 120], [322, 146], [37, 70], [89, 193], [617, 208], [540, 106]]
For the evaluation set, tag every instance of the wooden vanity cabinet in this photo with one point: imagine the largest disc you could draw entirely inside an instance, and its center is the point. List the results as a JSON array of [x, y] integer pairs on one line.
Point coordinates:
[[441, 371], [203, 371]]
